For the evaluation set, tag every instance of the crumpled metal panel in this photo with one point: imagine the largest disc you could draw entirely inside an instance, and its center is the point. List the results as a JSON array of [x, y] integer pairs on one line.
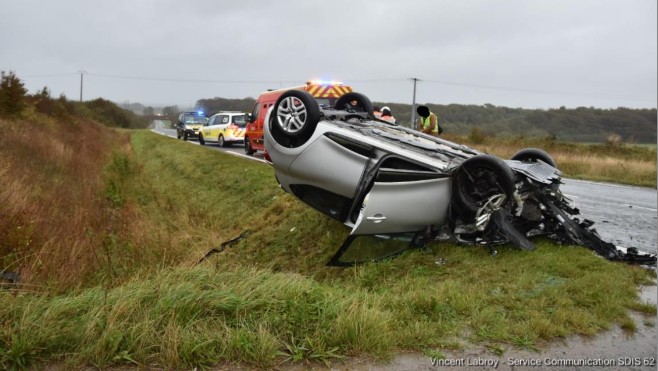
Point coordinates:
[[539, 171]]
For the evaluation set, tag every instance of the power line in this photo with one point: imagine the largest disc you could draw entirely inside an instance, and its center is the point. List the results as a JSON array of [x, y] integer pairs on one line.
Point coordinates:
[[50, 75], [534, 91], [523, 90], [389, 80], [228, 81], [205, 81], [375, 80]]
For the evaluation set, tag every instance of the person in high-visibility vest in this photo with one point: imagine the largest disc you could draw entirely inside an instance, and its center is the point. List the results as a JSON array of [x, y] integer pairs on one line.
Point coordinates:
[[428, 123]]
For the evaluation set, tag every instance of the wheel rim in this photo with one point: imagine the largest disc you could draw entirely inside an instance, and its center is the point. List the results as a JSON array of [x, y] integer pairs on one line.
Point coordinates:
[[291, 115], [221, 140]]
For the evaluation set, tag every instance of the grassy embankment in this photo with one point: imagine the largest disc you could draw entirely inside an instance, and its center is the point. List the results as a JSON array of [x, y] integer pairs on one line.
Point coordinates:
[[110, 273]]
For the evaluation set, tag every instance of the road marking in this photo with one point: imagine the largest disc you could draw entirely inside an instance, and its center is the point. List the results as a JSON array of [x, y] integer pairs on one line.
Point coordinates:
[[247, 156]]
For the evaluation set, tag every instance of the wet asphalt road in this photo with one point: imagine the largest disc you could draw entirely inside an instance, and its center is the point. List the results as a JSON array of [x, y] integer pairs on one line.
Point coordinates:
[[623, 215]]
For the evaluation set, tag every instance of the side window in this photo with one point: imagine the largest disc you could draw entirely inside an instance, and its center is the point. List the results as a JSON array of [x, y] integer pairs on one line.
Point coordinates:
[[211, 121], [239, 120], [222, 120], [254, 112]]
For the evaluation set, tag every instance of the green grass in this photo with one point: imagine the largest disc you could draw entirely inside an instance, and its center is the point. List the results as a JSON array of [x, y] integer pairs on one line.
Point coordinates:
[[269, 298], [198, 317]]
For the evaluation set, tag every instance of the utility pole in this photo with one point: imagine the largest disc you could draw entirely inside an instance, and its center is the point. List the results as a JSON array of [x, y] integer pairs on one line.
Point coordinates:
[[413, 104], [82, 73]]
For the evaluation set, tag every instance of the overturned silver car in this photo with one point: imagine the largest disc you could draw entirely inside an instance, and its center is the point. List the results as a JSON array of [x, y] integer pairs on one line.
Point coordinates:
[[391, 184]]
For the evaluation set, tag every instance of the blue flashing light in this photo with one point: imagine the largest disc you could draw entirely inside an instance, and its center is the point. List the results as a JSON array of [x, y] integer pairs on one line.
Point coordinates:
[[325, 82], [200, 113]]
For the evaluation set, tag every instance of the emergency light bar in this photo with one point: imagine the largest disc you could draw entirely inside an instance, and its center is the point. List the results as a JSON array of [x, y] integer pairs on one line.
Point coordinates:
[[324, 82]]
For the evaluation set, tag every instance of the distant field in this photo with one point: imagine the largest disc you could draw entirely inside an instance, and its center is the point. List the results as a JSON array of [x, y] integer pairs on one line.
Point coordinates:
[[632, 164]]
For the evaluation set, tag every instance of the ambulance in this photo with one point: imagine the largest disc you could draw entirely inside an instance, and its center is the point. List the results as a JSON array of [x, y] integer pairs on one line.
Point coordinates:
[[325, 93]]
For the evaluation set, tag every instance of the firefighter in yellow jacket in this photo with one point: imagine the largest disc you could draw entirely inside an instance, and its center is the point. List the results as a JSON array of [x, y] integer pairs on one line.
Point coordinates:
[[428, 123]]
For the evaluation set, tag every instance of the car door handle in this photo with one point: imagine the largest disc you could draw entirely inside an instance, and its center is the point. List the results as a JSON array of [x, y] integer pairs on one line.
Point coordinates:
[[377, 218]]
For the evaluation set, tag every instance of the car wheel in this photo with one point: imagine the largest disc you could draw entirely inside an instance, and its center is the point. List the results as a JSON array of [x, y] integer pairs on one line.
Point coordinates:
[[201, 141], [363, 104], [247, 147], [185, 136], [177, 134], [294, 118], [221, 141], [477, 180], [533, 155]]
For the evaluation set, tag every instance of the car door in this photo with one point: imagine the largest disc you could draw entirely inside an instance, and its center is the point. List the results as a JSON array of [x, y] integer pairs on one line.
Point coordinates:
[[206, 129], [403, 200], [222, 123]]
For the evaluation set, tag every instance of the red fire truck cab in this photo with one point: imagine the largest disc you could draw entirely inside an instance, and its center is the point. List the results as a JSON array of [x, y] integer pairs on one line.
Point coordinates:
[[325, 92]]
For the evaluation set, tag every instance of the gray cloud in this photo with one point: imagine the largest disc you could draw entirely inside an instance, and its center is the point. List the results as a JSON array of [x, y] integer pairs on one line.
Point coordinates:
[[544, 53]]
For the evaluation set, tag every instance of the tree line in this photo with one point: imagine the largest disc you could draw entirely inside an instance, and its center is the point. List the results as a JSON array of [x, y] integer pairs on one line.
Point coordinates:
[[582, 124], [15, 102]]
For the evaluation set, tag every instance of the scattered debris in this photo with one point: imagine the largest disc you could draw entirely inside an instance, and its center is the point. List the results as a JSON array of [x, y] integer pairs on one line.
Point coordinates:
[[223, 246]]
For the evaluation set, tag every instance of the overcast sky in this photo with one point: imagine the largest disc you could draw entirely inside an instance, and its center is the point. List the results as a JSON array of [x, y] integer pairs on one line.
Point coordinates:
[[514, 53]]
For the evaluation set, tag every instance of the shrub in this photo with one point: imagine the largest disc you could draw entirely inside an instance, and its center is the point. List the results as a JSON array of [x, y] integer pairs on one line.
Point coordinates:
[[12, 94], [613, 140]]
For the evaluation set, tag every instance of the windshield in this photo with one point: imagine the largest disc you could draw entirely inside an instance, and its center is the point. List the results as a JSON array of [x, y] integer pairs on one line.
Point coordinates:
[[195, 120], [240, 121]]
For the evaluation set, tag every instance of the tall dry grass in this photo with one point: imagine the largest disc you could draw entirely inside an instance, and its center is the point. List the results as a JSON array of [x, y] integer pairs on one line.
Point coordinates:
[[610, 162], [53, 216]]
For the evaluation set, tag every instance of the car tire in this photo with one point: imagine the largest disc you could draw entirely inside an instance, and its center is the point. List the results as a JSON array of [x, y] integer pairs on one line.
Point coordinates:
[[201, 140], [220, 141], [478, 179], [533, 155], [177, 134], [294, 118], [363, 103], [247, 147], [185, 136]]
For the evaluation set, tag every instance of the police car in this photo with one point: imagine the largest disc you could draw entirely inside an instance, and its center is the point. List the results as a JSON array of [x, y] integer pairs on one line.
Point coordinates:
[[189, 124]]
